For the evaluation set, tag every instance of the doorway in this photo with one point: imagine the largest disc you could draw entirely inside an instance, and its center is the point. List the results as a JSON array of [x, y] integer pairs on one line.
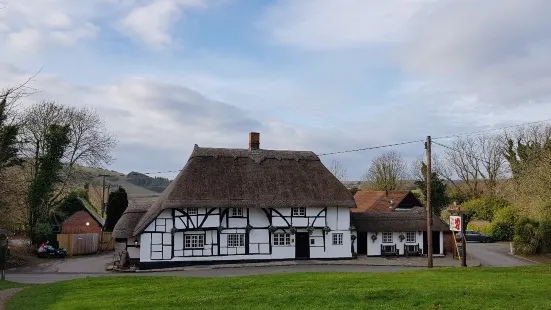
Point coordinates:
[[302, 245], [362, 243], [435, 242]]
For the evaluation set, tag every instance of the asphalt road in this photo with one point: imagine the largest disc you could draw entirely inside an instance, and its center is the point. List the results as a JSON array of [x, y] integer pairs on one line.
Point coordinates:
[[495, 255], [49, 277]]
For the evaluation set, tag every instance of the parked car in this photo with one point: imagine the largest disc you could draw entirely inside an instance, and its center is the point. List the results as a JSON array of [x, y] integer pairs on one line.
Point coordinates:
[[472, 235]]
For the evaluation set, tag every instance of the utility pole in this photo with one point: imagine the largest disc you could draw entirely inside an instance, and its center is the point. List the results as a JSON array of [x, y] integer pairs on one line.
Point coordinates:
[[103, 194], [463, 241], [429, 210]]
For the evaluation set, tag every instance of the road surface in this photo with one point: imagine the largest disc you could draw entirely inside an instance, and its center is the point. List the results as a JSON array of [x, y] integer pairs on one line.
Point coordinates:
[[495, 255]]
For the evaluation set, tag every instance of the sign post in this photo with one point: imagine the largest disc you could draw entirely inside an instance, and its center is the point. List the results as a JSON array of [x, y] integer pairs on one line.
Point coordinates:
[[457, 224]]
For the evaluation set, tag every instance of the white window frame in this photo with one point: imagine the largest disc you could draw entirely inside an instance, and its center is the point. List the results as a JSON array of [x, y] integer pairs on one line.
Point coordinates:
[[337, 238], [386, 237], [299, 211], [194, 241], [192, 211], [282, 239], [236, 240], [409, 239], [237, 212]]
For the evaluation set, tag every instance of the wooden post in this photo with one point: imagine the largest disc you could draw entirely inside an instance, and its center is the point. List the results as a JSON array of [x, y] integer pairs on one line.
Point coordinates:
[[429, 210], [463, 242]]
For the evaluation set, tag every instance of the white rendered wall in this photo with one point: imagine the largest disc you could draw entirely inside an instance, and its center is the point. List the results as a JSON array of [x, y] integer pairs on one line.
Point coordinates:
[[374, 248], [260, 239]]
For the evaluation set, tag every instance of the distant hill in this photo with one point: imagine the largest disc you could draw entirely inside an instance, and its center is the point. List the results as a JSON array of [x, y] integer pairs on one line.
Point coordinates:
[[155, 184], [113, 181]]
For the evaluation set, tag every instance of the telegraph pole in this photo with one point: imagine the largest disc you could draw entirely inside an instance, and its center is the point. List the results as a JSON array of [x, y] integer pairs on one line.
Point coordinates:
[[429, 210], [103, 194]]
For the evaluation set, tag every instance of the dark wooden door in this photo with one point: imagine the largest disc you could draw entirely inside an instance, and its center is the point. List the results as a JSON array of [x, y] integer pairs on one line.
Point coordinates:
[[302, 245], [362, 243], [435, 242]]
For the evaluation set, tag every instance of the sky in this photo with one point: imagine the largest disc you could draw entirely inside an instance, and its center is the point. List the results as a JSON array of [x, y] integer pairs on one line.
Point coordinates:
[[319, 75]]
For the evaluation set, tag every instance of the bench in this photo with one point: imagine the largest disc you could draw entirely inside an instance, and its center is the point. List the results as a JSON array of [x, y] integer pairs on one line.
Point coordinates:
[[412, 249], [389, 249]]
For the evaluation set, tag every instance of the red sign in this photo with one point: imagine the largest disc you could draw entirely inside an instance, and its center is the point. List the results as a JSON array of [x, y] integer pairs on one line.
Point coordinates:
[[455, 223]]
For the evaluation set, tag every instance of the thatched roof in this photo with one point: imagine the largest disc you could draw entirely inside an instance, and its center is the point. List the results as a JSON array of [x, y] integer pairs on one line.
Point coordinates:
[[137, 207], [243, 178], [380, 201], [397, 221]]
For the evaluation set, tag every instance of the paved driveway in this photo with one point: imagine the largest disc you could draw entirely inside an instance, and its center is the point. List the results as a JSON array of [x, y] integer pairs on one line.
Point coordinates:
[[208, 273], [494, 254]]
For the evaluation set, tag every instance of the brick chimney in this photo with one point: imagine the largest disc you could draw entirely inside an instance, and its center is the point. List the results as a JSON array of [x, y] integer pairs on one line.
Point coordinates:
[[254, 141]]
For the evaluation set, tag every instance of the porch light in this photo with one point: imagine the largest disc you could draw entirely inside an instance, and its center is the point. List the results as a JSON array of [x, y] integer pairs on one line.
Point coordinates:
[[136, 243], [87, 223]]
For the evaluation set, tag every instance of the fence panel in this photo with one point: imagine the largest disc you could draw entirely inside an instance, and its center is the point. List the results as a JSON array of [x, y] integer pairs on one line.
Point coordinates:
[[107, 242]]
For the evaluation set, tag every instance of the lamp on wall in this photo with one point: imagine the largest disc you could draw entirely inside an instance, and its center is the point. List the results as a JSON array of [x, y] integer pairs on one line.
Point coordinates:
[[137, 243], [87, 223]]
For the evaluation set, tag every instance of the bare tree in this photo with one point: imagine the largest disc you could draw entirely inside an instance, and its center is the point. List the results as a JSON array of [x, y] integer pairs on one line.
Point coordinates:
[[387, 172], [338, 170], [478, 163], [90, 142]]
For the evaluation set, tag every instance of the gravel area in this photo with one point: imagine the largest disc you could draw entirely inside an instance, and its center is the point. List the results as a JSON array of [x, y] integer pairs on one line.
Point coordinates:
[[7, 294]]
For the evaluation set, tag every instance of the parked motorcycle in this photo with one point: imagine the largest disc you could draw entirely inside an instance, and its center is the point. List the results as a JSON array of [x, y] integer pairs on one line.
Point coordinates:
[[47, 251]]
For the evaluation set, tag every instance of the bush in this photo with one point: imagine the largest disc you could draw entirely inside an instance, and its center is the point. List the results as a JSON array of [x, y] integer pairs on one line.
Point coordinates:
[[527, 236], [354, 255], [503, 226], [480, 226], [484, 208], [545, 236]]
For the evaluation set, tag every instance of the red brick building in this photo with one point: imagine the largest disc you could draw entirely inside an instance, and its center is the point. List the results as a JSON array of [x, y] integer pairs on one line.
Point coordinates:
[[82, 222]]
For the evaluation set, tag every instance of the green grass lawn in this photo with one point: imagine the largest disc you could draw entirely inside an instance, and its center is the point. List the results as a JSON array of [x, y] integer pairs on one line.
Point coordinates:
[[451, 288], [7, 284]]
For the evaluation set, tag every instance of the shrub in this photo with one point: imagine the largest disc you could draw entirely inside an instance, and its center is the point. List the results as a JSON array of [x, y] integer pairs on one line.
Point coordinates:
[[527, 236], [354, 255], [484, 208], [480, 226], [503, 226], [545, 235]]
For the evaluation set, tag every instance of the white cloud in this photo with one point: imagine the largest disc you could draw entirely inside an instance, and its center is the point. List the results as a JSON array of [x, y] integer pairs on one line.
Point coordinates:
[[152, 22], [329, 24], [29, 25]]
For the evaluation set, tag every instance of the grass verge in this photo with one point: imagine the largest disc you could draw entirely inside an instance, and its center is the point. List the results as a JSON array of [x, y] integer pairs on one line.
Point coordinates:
[[4, 285], [449, 288]]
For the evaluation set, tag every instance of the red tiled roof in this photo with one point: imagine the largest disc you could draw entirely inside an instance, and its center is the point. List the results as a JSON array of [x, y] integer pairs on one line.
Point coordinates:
[[378, 201]]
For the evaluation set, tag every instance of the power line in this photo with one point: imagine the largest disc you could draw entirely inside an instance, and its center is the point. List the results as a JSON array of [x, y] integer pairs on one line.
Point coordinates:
[[489, 130], [458, 151], [371, 148], [403, 143]]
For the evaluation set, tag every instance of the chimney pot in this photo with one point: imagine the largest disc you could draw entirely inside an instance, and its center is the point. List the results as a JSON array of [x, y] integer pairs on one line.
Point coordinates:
[[254, 141]]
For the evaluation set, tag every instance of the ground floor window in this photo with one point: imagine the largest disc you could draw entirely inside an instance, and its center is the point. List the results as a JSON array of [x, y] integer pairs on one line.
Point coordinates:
[[236, 240], [282, 239], [337, 239], [194, 241], [387, 237], [410, 237]]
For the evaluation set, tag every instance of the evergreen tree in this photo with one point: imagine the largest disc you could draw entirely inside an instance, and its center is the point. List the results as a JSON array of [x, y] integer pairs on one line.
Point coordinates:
[[47, 175], [116, 205], [438, 197], [8, 138]]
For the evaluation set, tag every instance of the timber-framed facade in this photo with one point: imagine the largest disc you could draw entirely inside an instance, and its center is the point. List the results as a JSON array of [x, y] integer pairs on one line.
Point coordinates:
[[246, 205]]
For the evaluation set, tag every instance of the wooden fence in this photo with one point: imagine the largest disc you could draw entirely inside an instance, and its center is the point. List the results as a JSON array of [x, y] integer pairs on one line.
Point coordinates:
[[107, 242], [79, 244]]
